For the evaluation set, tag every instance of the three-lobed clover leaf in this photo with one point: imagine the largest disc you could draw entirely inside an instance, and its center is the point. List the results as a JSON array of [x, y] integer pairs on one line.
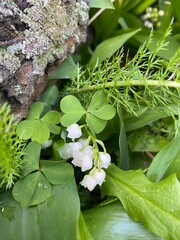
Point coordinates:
[[37, 127], [96, 115], [35, 186]]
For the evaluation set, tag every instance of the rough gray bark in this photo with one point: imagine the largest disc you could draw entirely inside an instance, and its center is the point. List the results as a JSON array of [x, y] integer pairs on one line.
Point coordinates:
[[34, 35]]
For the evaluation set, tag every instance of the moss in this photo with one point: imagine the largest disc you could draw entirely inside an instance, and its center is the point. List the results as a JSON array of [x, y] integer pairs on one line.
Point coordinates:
[[49, 24]]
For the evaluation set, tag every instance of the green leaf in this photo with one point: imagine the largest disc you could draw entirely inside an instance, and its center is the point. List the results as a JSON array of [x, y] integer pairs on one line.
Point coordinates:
[[176, 7], [32, 190], [95, 124], [57, 172], [110, 221], [108, 47], [163, 159], [73, 110], [143, 36], [66, 70], [98, 100], [51, 95], [83, 230], [35, 110], [31, 158], [106, 112], [156, 205], [52, 117], [50, 120], [101, 4], [56, 218]]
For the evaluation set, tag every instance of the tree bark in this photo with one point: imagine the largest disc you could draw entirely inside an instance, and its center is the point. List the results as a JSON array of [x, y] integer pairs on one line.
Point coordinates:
[[34, 35]]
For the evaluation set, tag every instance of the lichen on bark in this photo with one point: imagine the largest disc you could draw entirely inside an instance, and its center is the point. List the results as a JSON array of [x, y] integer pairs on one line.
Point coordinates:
[[37, 33]]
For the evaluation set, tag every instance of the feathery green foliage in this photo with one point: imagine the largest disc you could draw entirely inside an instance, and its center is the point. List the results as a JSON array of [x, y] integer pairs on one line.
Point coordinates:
[[144, 80], [11, 149]]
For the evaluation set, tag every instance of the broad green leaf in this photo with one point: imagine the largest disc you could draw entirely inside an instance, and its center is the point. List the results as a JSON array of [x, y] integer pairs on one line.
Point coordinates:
[[106, 112], [123, 146], [101, 4], [98, 100], [57, 172], [51, 95], [31, 158], [73, 110], [156, 205], [66, 70], [56, 218], [146, 116], [108, 47], [143, 36], [35, 110], [163, 159], [176, 7], [139, 9], [111, 222], [32, 189], [174, 167], [95, 124], [83, 230]]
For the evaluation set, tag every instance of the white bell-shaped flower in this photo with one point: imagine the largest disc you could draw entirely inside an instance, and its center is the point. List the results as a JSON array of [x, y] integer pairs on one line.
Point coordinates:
[[46, 144], [99, 175], [74, 131], [89, 182], [83, 158], [70, 149], [105, 159]]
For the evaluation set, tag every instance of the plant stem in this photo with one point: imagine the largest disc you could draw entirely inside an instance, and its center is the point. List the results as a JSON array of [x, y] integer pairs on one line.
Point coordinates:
[[153, 83]]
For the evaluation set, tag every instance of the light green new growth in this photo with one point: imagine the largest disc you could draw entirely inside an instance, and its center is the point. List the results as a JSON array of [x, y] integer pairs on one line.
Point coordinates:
[[133, 83], [11, 149]]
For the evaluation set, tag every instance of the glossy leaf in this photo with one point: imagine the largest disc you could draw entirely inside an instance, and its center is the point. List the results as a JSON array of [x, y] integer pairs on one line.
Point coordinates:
[[57, 172], [163, 159], [156, 205], [110, 221], [50, 95], [66, 70], [32, 190], [56, 218], [101, 4], [108, 47], [176, 6]]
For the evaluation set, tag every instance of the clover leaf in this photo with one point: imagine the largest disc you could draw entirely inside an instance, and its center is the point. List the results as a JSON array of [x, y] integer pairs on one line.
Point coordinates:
[[97, 113], [38, 176], [38, 128], [73, 110]]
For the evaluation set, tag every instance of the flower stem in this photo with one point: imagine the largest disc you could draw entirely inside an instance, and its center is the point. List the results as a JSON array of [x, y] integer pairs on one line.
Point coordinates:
[[153, 83]]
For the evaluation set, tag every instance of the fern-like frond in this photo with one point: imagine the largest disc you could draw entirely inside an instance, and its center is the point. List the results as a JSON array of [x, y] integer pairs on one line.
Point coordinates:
[[143, 80]]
